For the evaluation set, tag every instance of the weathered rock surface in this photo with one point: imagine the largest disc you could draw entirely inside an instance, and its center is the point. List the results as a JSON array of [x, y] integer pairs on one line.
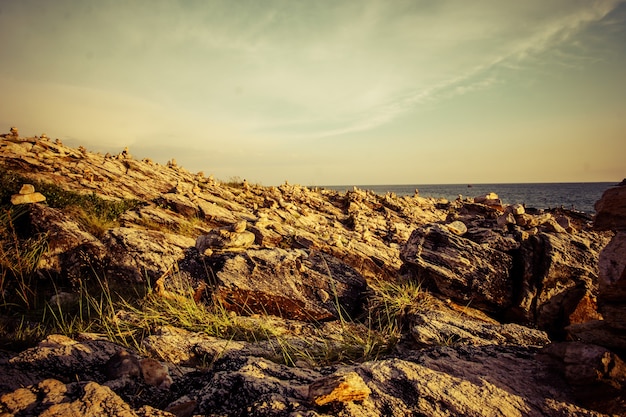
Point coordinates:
[[295, 284], [133, 255], [462, 380], [295, 267], [459, 268], [610, 209]]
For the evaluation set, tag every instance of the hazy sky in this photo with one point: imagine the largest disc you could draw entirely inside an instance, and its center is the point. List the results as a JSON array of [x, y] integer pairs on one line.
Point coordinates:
[[328, 92]]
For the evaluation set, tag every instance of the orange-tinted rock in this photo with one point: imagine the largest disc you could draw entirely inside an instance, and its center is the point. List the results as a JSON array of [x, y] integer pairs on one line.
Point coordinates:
[[586, 310], [339, 388]]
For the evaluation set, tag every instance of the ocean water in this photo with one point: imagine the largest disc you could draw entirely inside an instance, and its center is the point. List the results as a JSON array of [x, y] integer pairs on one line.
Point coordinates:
[[579, 196]]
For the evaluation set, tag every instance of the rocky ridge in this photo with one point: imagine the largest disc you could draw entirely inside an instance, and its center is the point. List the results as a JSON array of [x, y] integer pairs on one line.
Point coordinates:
[[505, 291]]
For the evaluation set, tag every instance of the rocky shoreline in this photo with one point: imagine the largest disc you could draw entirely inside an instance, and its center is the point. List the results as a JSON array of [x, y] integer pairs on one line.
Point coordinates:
[[512, 311]]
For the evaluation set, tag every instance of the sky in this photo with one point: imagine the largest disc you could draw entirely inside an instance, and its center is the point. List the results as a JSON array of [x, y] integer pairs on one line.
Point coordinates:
[[327, 92]]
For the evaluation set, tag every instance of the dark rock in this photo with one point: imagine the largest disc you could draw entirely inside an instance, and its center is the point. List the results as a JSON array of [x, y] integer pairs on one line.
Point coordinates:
[[611, 210], [459, 268]]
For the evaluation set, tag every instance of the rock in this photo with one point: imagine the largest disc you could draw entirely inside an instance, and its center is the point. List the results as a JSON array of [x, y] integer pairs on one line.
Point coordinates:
[[256, 386], [598, 332], [611, 210], [71, 252], [27, 189], [459, 268], [155, 373], [586, 310], [64, 357], [27, 195], [286, 284], [224, 239], [505, 219], [436, 327], [343, 388], [485, 197], [180, 204], [612, 269], [553, 226], [457, 227], [483, 384], [52, 398], [239, 227], [122, 364], [134, 254], [516, 209], [557, 272], [598, 375], [490, 199]]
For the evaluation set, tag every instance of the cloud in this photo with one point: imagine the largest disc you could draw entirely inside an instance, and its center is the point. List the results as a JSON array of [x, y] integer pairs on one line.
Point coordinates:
[[282, 68]]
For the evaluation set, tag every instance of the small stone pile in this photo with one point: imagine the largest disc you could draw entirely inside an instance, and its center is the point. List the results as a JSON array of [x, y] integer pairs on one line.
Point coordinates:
[[27, 195]]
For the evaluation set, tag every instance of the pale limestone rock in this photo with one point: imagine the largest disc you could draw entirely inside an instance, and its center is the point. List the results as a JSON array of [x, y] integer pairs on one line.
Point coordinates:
[[239, 227], [485, 197], [516, 209], [27, 198], [457, 227], [27, 189], [343, 388]]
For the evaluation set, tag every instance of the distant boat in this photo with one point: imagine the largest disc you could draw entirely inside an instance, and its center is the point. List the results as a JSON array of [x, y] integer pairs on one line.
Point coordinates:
[[469, 185]]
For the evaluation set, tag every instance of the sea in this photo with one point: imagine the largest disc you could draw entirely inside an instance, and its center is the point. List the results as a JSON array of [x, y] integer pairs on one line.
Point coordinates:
[[579, 196]]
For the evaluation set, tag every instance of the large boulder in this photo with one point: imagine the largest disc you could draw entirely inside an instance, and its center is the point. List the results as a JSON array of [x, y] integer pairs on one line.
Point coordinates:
[[460, 269], [309, 286], [135, 255], [611, 209], [558, 272], [71, 251], [611, 214], [612, 271]]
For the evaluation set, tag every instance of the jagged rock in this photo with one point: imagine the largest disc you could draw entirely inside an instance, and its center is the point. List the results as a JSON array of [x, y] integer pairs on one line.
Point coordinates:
[[224, 239], [611, 210], [439, 326], [598, 332], [71, 252], [459, 268], [180, 204], [612, 281], [468, 381], [557, 272], [598, 374], [134, 255], [60, 356], [52, 398], [342, 388], [286, 283], [256, 387]]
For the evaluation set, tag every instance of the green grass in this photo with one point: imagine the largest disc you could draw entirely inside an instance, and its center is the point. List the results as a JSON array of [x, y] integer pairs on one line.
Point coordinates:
[[94, 213], [128, 318]]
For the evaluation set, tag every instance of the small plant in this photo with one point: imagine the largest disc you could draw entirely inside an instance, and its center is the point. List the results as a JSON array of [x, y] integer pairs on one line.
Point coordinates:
[[390, 302]]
